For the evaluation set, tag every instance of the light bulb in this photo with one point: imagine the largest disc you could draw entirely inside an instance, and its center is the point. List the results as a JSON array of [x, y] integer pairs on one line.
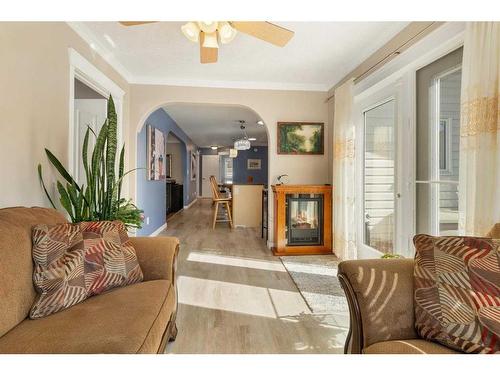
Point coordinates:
[[191, 31], [226, 32]]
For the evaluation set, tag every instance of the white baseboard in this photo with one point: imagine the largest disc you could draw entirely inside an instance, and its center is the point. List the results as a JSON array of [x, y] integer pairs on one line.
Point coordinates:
[[190, 204], [159, 230]]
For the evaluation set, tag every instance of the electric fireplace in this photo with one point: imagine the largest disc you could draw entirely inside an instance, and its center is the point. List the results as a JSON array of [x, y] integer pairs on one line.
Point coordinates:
[[302, 219]]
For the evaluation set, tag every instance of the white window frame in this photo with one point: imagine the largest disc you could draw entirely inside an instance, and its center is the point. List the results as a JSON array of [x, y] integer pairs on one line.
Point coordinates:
[[80, 68]]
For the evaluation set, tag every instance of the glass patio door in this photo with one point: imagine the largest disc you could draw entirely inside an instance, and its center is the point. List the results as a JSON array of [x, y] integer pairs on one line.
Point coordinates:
[[379, 177], [437, 145]]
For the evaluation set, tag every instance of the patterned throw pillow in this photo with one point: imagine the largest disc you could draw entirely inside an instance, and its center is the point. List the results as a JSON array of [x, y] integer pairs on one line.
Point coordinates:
[[457, 292], [76, 261]]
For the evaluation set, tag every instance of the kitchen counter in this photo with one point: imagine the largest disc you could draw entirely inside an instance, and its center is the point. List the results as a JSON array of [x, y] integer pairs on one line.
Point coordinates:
[[247, 204]]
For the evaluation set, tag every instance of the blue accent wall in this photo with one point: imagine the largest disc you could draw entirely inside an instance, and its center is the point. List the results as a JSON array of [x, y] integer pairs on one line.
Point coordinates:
[[240, 171], [151, 194]]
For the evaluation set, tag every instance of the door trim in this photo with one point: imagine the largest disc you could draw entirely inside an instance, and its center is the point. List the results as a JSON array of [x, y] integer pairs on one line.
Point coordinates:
[[80, 68]]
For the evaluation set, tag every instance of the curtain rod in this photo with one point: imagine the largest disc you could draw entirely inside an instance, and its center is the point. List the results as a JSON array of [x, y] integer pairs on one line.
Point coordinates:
[[397, 51]]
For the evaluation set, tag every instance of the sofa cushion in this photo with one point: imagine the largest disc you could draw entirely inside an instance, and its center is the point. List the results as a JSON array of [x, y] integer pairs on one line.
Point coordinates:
[[76, 261], [457, 292], [16, 265], [417, 346], [131, 319]]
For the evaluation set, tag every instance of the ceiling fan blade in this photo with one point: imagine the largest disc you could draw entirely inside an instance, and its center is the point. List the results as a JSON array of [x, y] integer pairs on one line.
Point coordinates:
[[207, 55], [135, 23], [266, 31]]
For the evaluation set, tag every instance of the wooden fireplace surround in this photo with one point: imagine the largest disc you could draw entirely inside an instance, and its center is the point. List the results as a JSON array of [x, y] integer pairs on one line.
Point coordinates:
[[280, 240]]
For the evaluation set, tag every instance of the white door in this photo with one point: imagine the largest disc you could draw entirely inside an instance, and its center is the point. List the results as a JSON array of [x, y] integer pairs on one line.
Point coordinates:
[[88, 113], [378, 186], [209, 167]]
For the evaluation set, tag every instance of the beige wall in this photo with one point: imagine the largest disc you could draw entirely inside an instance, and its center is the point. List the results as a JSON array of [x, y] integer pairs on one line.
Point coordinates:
[[34, 95], [271, 105], [34, 103]]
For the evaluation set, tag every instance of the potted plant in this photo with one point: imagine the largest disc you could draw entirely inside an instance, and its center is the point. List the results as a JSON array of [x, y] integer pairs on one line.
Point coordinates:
[[101, 198]]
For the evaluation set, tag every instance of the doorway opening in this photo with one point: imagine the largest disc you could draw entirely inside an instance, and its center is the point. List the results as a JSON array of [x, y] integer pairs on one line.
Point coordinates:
[[90, 111], [175, 174], [208, 133]]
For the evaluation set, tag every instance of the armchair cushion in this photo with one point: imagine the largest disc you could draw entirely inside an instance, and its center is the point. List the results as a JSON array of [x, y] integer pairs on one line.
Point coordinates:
[[457, 292]]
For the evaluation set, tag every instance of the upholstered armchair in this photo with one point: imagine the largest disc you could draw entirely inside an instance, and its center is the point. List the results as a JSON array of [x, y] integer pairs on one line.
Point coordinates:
[[380, 297]]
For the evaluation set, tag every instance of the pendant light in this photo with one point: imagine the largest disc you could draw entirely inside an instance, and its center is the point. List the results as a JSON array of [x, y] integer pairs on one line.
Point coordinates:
[[242, 143]]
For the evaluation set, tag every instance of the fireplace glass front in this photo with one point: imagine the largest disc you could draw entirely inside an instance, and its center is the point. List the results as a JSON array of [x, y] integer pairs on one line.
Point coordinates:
[[304, 219]]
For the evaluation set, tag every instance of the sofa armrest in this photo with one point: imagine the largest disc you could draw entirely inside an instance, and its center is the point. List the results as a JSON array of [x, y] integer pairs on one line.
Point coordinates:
[[157, 257], [380, 297]]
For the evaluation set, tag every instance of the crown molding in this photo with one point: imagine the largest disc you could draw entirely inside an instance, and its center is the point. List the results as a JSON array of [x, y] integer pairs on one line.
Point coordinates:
[[252, 85], [104, 52]]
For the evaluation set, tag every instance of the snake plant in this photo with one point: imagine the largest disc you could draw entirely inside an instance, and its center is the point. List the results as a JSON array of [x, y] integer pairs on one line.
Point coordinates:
[[101, 198]]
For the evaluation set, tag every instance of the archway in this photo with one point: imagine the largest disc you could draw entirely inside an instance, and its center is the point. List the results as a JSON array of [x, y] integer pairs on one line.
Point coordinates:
[[166, 117]]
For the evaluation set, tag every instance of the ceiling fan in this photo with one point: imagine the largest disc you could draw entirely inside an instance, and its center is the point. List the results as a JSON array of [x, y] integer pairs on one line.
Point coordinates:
[[209, 33]]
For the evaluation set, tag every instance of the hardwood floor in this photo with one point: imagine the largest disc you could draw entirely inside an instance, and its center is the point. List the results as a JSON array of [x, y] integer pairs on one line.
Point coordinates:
[[236, 297]]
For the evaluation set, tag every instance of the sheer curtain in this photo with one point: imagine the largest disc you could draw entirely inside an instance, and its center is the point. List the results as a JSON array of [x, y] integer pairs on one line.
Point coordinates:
[[479, 182], [344, 187]]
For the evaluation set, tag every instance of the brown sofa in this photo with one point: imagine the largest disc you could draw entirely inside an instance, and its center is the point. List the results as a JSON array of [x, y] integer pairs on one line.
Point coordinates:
[[139, 318], [380, 297]]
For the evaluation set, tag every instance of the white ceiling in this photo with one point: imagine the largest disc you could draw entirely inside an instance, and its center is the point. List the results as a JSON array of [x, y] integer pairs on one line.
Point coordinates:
[[216, 125], [318, 56]]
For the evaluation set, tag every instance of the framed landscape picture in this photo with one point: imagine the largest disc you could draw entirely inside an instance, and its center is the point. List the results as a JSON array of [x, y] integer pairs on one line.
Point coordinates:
[[301, 138], [156, 154]]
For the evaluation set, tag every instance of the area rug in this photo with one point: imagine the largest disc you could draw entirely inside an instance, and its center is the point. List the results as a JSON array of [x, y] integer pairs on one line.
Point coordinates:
[[316, 279]]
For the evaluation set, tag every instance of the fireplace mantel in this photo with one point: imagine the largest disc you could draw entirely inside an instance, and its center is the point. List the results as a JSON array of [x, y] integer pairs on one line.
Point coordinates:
[[302, 219]]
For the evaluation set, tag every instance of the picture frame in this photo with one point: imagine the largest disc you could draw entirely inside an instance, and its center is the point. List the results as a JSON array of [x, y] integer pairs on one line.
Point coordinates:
[[156, 150], [301, 138], [254, 164], [168, 166], [193, 165]]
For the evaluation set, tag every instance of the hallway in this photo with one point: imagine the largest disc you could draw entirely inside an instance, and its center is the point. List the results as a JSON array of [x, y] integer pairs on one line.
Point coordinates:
[[235, 297]]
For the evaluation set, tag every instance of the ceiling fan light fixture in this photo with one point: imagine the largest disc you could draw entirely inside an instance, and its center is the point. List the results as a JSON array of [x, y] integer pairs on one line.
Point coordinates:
[[191, 31], [214, 147], [260, 122], [208, 27], [226, 32], [210, 40]]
